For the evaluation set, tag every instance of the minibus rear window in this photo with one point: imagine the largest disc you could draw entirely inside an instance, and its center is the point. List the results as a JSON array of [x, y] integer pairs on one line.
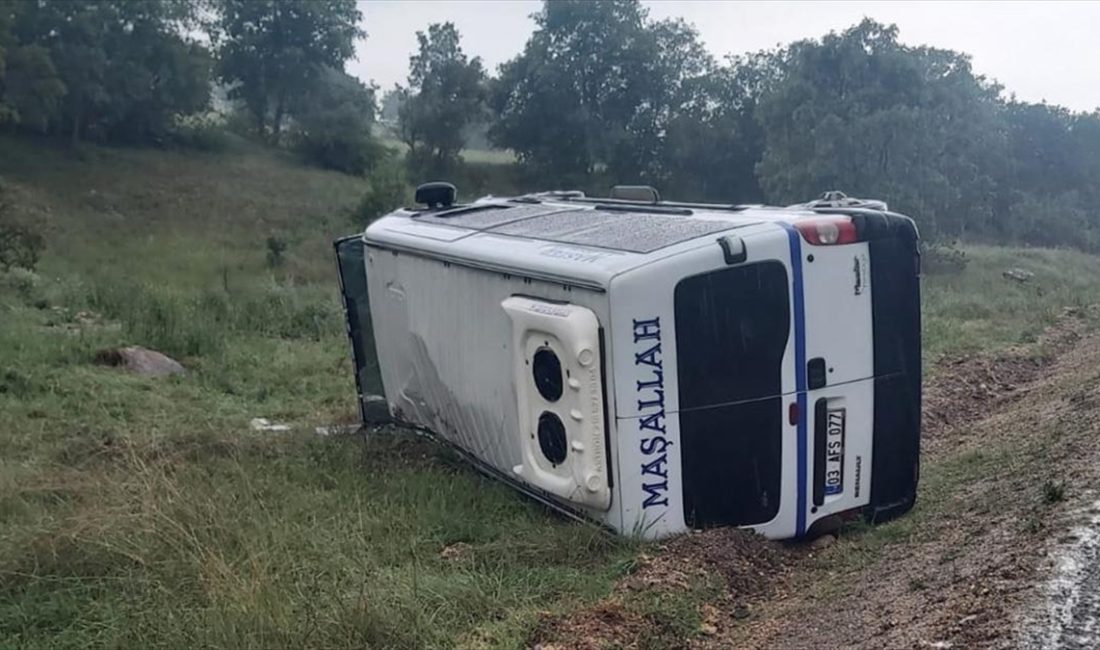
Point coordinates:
[[732, 327]]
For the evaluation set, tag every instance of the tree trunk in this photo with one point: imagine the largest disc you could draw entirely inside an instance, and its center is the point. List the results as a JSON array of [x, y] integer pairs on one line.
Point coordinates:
[[261, 121], [78, 116], [277, 125]]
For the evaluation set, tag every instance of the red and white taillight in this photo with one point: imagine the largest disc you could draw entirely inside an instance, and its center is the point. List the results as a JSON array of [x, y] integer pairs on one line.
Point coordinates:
[[828, 230]]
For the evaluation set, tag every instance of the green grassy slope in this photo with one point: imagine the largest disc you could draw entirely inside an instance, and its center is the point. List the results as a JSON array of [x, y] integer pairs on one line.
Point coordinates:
[[979, 309], [138, 512]]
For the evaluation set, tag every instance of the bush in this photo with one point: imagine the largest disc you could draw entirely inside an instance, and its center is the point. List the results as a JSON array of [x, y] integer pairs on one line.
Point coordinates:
[[942, 259], [204, 132], [20, 242], [1053, 492], [332, 124], [388, 190], [22, 282], [276, 247]]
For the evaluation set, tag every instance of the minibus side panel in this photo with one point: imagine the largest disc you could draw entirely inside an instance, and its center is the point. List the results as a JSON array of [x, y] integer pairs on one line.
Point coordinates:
[[446, 349]]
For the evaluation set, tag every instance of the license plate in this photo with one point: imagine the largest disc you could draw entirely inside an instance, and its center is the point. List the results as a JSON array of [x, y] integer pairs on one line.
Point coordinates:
[[834, 451]]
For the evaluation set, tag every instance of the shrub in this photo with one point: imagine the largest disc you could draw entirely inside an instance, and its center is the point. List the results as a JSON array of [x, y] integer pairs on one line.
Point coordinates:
[[942, 259], [388, 190], [1053, 492], [20, 242], [332, 124], [23, 282], [204, 132], [276, 246]]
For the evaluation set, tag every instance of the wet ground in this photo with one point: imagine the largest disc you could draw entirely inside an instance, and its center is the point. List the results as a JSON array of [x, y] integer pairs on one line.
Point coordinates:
[[1067, 614]]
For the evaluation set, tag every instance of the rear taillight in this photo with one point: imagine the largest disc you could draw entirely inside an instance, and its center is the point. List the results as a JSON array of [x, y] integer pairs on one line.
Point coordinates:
[[827, 231]]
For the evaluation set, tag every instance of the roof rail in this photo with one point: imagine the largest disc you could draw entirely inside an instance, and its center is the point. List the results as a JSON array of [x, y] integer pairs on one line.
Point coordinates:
[[603, 201], [651, 208], [836, 199]]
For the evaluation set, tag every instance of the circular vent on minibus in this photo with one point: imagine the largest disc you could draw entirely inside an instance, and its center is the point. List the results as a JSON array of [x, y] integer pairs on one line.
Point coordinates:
[[546, 369], [552, 437]]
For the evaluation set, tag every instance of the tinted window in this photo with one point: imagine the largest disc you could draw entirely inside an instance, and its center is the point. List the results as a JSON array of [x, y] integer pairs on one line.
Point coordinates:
[[732, 327], [731, 331]]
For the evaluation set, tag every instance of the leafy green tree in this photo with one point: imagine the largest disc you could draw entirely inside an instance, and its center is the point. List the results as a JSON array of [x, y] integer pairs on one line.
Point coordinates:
[[391, 105], [713, 144], [445, 95], [30, 89], [1085, 128], [860, 112], [563, 103], [669, 80], [332, 122], [595, 90], [269, 50], [123, 68], [7, 113]]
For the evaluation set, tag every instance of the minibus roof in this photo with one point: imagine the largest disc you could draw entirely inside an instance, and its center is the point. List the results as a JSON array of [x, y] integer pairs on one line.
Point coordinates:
[[566, 238]]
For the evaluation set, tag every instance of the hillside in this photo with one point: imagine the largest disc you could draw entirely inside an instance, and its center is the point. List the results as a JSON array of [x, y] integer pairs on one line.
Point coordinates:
[[140, 512]]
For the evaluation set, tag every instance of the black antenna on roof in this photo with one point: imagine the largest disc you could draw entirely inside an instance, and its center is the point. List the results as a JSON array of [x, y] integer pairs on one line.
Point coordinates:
[[436, 194]]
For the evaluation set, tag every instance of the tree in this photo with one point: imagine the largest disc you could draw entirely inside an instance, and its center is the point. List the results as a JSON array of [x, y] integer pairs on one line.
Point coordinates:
[[1085, 128], [446, 94], [861, 112], [670, 80], [595, 89], [269, 50], [7, 14], [30, 89], [118, 69], [391, 105], [332, 122], [713, 144]]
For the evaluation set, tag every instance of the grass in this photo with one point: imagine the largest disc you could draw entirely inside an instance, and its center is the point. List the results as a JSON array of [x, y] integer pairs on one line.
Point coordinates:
[[979, 310], [138, 512]]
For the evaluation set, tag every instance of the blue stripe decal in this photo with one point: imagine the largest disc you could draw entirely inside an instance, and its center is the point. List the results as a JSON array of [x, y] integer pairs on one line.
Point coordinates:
[[799, 370]]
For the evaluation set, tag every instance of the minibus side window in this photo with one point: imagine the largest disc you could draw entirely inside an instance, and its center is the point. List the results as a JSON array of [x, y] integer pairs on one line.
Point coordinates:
[[732, 327]]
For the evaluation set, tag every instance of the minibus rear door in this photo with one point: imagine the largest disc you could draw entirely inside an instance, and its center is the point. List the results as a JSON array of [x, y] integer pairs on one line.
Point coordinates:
[[835, 373]]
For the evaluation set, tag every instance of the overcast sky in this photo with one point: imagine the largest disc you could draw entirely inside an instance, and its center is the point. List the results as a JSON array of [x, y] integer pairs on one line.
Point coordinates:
[[1037, 50]]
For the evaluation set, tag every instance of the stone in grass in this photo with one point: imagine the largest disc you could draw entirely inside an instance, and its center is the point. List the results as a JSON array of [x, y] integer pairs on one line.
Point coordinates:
[[1018, 275], [140, 361], [263, 424]]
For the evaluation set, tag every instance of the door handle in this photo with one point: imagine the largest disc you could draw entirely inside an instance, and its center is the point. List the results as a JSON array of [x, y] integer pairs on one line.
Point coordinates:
[[815, 373]]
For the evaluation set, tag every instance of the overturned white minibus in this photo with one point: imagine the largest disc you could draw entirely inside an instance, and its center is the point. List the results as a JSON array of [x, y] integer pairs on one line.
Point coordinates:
[[653, 366]]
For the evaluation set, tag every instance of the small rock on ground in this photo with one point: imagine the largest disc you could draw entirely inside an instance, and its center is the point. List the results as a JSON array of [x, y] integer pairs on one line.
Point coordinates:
[[140, 361]]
